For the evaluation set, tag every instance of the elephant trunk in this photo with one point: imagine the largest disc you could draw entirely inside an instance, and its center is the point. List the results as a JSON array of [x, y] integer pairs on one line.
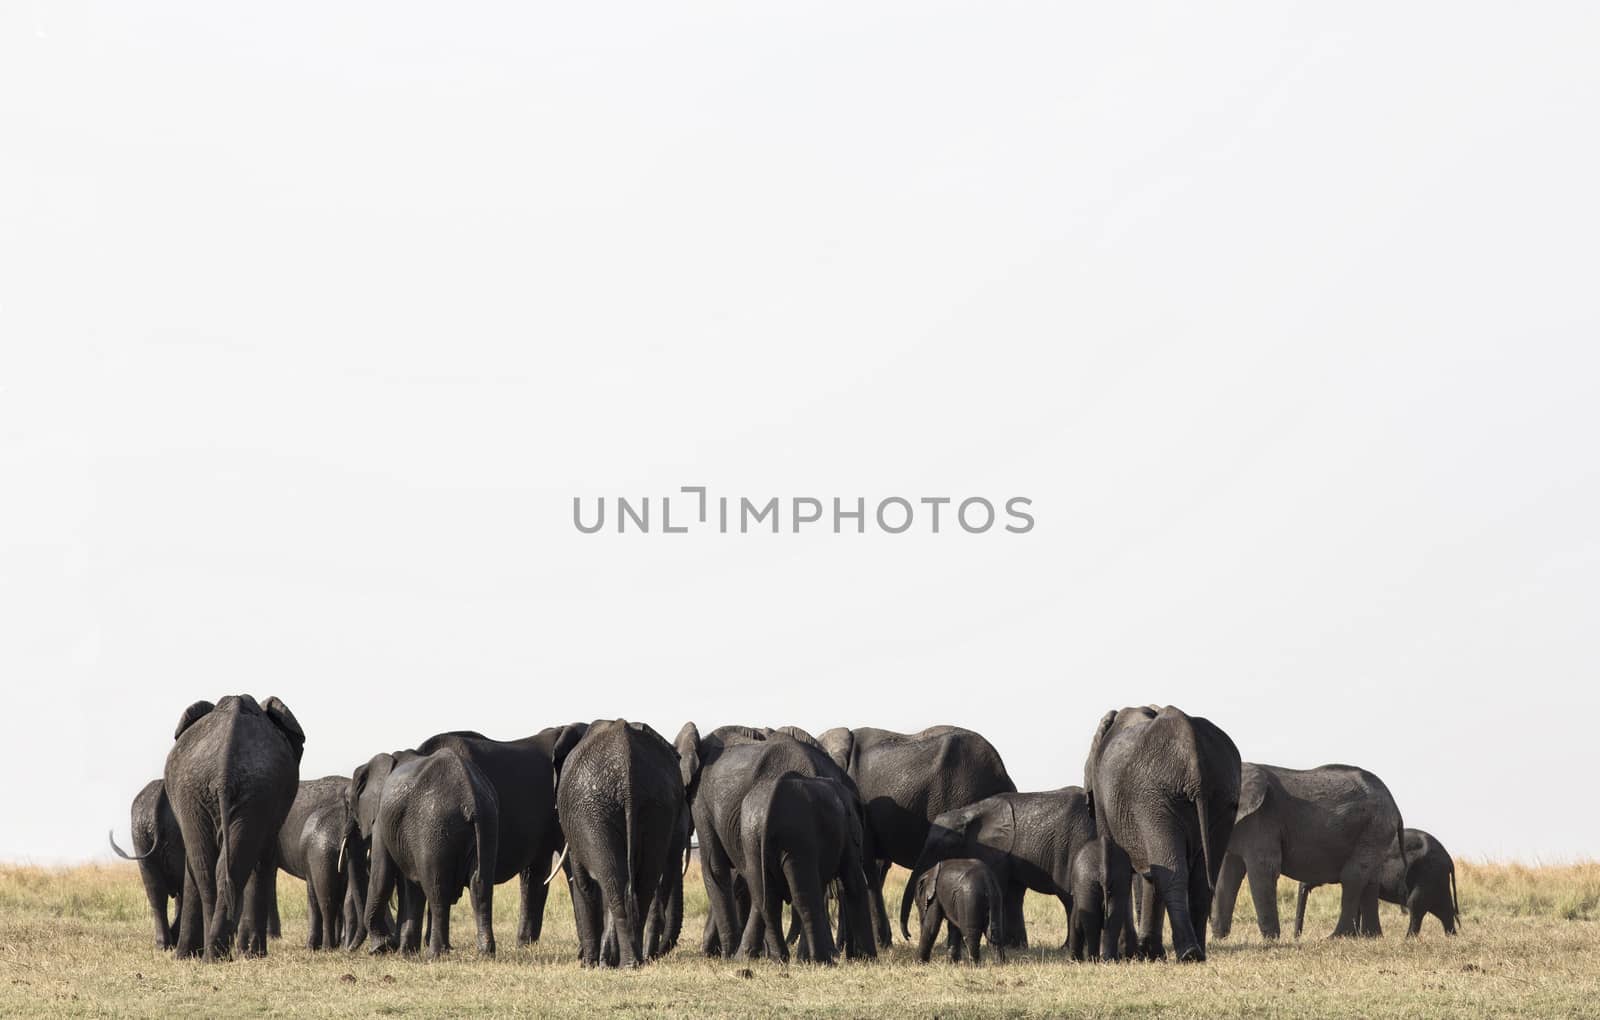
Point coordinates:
[[924, 862], [133, 857], [997, 923]]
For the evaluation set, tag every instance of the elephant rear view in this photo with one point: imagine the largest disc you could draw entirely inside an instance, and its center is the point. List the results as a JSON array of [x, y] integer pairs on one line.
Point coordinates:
[[1165, 786], [230, 777], [963, 893], [1423, 881], [309, 848], [620, 802], [158, 848]]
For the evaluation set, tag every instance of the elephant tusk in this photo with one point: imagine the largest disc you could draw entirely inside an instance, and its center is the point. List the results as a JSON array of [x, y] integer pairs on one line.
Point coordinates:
[[343, 844], [686, 853], [557, 866]]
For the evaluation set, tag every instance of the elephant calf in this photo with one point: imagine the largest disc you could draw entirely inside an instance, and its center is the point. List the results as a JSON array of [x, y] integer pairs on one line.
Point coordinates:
[[309, 846], [1424, 882], [438, 826], [964, 892], [1102, 880]]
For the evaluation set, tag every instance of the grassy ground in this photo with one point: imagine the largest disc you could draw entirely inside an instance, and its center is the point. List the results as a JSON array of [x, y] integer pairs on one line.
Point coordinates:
[[79, 942]]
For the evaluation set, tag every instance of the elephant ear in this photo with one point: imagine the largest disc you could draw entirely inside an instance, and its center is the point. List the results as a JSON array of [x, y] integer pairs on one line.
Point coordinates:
[[928, 886], [1091, 764], [1252, 791], [997, 829], [284, 719], [569, 738], [687, 745], [191, 715]]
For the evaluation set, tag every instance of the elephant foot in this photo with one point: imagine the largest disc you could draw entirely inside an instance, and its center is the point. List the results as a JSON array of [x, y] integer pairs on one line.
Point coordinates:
[[379, 947], [485, 947], [1193, 954], [1152, 949]]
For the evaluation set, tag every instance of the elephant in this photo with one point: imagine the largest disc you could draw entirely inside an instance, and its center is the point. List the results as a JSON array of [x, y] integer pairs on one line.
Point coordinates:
[[906, 780], [230, 777], [158, 848], [1029, 841], [621, 801], [438, 827], [717, 772], [963, 892], [800, 833], [1165, 787], [1424, 882], [309, 845], [1102, 911], [1333, 823], [665, 922]]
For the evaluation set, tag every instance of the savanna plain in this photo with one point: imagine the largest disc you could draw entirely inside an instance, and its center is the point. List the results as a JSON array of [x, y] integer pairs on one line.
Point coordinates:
[[79, 941]]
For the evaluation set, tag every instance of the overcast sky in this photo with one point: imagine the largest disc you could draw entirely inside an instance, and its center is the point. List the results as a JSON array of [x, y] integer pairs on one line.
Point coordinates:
[[315, 318]]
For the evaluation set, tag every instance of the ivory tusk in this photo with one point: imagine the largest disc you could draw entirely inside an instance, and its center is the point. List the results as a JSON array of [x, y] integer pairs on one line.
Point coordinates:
[[557, 866]]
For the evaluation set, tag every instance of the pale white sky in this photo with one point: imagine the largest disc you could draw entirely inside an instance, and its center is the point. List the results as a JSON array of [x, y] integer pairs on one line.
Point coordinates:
[[314, 318]]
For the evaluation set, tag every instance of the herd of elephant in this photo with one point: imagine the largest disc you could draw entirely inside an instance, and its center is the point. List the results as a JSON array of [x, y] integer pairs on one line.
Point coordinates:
[[1167, 825]]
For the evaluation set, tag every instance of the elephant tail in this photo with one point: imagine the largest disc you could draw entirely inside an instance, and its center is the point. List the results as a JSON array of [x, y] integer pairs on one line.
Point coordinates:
[[1212, 855], [1405, 863], [1455, 904], [227, 893], [997, 915], [133, 857], [486, 833]]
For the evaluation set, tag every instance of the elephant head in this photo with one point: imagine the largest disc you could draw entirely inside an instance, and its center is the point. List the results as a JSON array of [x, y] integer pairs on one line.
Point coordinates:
[[687, 744]]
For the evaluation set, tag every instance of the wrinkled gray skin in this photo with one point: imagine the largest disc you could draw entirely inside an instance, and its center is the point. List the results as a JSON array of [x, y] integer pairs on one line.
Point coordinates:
[[717, 773], [1165, 788], [665, 923], [1102, 909], [158, 847], [363, 797], [963, 892], [438, 828], [522, 773], [1424, 882], [308, 849], [906, 780], [621, 801], [1333, 823], [230, 777], [801, 833], [1029, 841]]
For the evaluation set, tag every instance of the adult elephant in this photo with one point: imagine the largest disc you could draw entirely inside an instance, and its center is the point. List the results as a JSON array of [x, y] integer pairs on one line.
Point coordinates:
[[620, 799], [309, 845], [1165, 786], [1028, 840], [1333, 823], [158, 847], [906, 780], [735, 760], [230, 777], [1423, 882]]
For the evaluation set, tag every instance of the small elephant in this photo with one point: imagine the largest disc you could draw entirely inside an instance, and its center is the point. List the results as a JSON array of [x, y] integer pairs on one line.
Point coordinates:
[[1424, 882], [309, 846], [964, 892], [158, 848], [438, 827], [1102, 914]]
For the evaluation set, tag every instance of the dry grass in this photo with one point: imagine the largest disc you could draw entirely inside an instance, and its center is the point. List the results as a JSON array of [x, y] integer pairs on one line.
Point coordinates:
[[78, 942]]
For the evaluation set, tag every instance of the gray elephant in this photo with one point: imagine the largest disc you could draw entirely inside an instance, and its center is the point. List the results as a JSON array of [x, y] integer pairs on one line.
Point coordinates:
[[230, 777], [158, 847], [906, 780], [438, 828], [801, 833], [1423, 881], [620, 799], [1101, 915], [1334, 823], [963, 893], [665, 922], [717, 773], [1029, 841], [1165, 788], [309, 845]]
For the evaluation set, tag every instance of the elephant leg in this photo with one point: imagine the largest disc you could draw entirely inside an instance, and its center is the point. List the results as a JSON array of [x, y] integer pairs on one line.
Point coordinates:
[[805, 892], [1151, 914], [191, 917], [1264, 894], [855, 907], [313, 914], [380, 886], [1228, 883], [1300, 908], [586, 915], [877, 871], [1349, 908], [413, 905], [952, 936], [439, 913], [535, 894], [1075, 932], [1200, 903], [1066, 905], [1093, 930], [1173, 884], [720, 900], [932, 917], [156, 896], [483, 911], [1416, 910], [771, 909], [1016, 924], [1371, 926], [331, 895]]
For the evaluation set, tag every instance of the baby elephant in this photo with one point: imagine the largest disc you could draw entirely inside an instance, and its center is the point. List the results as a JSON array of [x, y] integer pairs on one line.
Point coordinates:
[[1102, 879], [964, 892]]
